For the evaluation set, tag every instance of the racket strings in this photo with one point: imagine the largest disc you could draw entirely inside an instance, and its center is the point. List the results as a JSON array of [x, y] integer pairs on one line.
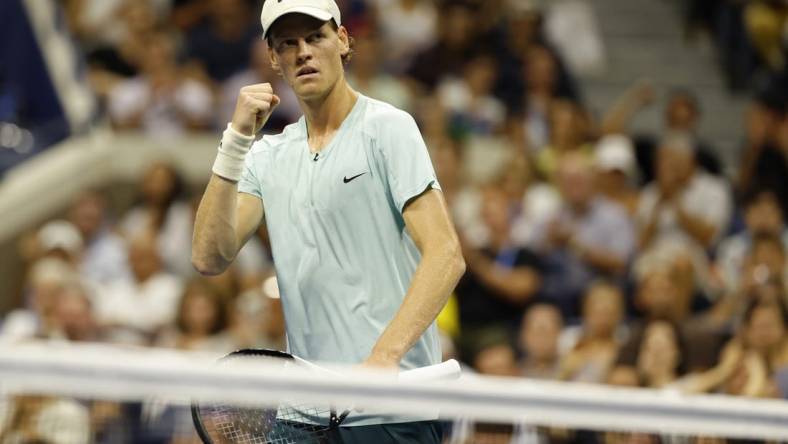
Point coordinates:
[[289, 424]]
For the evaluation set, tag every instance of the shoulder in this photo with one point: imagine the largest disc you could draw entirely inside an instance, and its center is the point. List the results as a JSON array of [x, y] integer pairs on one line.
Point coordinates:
[[271, 143], [382, 117]]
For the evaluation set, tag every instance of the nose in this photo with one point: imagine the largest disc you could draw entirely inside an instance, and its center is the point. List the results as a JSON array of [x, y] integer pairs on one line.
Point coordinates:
[[304, 51]]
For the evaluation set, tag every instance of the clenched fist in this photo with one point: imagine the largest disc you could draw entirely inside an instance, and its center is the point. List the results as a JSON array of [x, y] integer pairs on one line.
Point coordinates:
[[253, 108]]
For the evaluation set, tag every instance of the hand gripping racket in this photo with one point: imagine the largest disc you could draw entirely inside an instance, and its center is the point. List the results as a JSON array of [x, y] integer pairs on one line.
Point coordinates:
[[290, 422]]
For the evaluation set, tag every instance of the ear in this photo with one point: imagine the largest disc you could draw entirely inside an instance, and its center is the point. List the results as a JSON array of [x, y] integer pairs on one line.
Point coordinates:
[[274, 61], [344, 40]]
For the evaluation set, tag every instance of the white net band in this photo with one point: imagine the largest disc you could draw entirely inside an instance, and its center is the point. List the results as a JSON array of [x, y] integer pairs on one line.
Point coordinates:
[[103, 372]]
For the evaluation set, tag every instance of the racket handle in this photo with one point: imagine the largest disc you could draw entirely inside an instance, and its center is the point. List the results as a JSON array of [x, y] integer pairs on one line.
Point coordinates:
[[444, 371]]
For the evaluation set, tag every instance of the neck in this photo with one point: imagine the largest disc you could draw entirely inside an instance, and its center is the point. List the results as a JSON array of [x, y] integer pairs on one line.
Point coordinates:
[[324, 115]]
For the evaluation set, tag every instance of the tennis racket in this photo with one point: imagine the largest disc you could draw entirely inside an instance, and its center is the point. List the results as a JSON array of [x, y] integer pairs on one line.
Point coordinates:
[[291, 422]]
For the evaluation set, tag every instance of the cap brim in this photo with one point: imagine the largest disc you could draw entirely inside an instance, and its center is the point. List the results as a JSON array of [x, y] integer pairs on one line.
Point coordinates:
[[317, 13]]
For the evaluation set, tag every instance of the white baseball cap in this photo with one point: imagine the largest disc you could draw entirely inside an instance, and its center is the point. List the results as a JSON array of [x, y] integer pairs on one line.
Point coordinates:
[[60, 235], [320, 9], [615, 152]]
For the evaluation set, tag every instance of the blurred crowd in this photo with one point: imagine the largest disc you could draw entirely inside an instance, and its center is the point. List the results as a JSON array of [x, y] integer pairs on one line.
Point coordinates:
[[594, 252], [751, 37]]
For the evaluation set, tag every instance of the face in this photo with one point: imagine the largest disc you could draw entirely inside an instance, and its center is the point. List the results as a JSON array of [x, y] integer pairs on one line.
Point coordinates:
[[681, 114], [765, 329], [763, 215], [540, 331], [495, 210], [73, 315], [602, 311], [158, 184], [540, 69], [658, 293], [199, 313], [563, 122], [308, 53], [87, 215], [575, 180], [158, 53], [457, 25], [497, 360], [480, 75]]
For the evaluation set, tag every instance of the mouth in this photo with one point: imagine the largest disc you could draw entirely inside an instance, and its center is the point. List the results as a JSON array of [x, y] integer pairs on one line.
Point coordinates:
[[306, 71]]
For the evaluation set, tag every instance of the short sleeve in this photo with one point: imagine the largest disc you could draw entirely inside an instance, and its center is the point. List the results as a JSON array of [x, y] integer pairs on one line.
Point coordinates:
[[249, 183], [408, 166]]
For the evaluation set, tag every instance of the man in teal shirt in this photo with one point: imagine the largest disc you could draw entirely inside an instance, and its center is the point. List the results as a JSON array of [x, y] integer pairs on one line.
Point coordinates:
[[365, 252]]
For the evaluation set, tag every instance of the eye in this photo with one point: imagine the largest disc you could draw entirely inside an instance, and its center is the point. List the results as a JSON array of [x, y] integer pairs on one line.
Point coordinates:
[[315, 36], [286, 44]]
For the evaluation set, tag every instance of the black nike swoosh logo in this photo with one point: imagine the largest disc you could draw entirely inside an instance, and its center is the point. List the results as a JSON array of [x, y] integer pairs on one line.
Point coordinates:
[[357, 175]]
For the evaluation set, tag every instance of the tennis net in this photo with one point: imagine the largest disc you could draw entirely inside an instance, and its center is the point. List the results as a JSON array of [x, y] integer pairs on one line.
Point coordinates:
[[67, 393]]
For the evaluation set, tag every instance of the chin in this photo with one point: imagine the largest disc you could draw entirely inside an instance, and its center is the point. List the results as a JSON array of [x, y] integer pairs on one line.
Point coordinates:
[[311, 90]]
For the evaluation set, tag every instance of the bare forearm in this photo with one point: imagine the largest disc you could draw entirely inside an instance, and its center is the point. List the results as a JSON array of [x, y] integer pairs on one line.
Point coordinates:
[[516, 285], [647, 234], [696, 227], [603, 260], [215, 242], [432, 284]]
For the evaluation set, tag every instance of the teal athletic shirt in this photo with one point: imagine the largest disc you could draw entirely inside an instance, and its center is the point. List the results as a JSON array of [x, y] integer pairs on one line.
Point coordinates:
[[344, 259]]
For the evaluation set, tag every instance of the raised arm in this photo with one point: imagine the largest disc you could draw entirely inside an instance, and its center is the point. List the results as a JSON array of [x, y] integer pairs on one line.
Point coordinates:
[[428, 222], [226, 219]]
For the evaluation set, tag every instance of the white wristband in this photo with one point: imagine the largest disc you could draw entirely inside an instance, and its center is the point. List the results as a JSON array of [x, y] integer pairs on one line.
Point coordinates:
[[229, 161]]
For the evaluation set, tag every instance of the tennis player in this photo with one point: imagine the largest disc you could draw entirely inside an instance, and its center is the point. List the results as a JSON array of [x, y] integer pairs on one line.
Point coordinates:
[[365, 252]]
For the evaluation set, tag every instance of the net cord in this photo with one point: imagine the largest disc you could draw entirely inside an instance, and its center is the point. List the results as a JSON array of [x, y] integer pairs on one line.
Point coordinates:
[[104, 372]]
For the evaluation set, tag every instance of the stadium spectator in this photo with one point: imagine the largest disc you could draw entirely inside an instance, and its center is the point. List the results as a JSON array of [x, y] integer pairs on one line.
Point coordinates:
[[762, 216], [257, 320], [60, 239], [682, 116], [163, 100], [367, 76], [455, 43], [134, 311], [399, 44], [132, 21], [674, 208], [596, 348], [661, 356], [541, 87], [469, 99], [494, 355], [46, 419], [589, 238], [45, 279], [501, 278], [221, 43], [538, 341], [752, 360], [72, 315], [532, 202], [764, 161], [565, 136], [201, 322], [617, 172], [105, 256], [163, 214], [766, 21]]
